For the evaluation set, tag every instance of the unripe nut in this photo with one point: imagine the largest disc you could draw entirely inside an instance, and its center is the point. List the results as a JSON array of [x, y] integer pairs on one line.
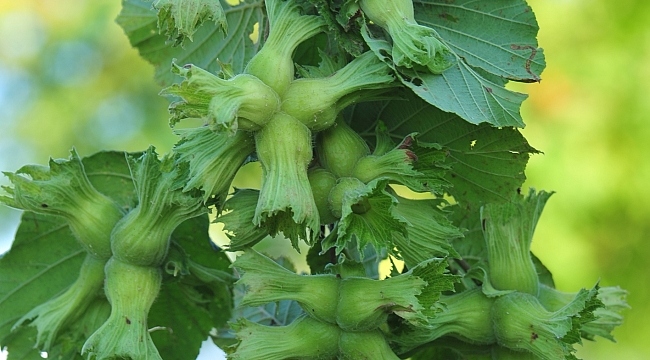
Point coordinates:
[[339, 148], [346, 186], [322, 182]]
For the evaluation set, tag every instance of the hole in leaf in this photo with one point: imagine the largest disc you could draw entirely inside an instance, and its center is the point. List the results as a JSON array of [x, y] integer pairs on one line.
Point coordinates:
[[416, 81], [255, 35]]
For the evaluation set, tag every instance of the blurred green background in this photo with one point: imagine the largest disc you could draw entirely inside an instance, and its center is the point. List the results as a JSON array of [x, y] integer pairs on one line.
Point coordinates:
[[68, 77]]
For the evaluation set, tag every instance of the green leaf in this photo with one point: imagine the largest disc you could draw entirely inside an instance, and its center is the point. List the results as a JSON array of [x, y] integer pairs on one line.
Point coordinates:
[[68, 344], [63, 310], [109, 173], [460, 90], [435, 273], [472, 246], [498, 36], [238, 220], [344, 33], [482, 100], [43, 261], [21, 345], [214, 159], [179, 19], [487, 164], [180, 325], [192, 236], [139, 22], [544, 274], [429, 231], [369, 257], [319, 260], [310, 54], [367, 215], [193, 239], [279, 313], [345, 267], [609, 316], [605, 319]]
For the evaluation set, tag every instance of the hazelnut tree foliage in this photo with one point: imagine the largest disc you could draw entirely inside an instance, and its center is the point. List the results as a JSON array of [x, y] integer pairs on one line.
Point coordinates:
[[344, 103]]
